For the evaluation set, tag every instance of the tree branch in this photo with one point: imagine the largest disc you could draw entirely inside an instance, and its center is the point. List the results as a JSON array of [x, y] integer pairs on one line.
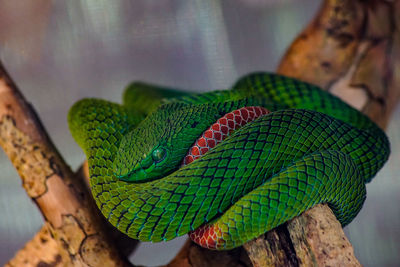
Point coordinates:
[[32, 253], [351, 49], [66, 205]]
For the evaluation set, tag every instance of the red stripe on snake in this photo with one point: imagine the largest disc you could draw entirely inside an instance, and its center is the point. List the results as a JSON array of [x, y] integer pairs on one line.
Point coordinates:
[[206, 235]]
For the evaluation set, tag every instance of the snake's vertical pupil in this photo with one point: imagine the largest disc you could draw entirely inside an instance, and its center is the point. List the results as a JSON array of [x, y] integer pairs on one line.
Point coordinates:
[[158, 154]]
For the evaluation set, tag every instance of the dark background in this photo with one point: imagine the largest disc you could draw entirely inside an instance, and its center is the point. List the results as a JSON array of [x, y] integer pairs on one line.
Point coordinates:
[[61, 51]]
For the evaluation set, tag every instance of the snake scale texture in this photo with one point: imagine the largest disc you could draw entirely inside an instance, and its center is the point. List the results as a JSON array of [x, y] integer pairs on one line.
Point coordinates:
[[312, 148]]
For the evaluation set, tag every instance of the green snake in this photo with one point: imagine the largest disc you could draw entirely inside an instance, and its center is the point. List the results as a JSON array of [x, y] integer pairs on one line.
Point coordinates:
[[312, 148]]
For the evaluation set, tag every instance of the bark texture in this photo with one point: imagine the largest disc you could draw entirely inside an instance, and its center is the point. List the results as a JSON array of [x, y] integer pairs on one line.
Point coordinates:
[[72, 220], [352, 49], [32, 254]]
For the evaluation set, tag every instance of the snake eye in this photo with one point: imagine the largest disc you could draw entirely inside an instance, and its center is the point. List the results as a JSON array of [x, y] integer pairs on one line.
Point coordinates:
[[158, 154]]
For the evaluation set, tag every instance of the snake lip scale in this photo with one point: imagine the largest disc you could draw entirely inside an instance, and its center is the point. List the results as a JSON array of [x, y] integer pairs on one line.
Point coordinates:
[[312, 148]]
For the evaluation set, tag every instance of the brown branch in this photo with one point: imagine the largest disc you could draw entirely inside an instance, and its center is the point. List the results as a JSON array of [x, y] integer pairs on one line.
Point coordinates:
[[65, 203], [352, 49], [32, 254], [193, 255]]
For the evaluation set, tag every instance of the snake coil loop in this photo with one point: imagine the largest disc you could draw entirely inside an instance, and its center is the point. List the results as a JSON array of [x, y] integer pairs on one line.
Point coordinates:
[[312, 148]]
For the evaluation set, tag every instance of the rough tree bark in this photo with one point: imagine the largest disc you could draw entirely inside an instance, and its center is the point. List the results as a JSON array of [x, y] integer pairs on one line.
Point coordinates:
[[351, 48], [72, 221]]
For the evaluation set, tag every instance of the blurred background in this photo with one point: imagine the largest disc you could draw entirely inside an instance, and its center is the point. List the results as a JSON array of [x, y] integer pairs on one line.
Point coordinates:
[[61, 51]]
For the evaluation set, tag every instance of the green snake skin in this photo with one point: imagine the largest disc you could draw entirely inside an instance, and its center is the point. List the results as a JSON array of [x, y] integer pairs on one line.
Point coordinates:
[[312, 148]]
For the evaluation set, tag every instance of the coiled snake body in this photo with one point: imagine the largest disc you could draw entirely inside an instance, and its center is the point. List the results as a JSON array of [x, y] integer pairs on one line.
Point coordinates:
[[312, 148]]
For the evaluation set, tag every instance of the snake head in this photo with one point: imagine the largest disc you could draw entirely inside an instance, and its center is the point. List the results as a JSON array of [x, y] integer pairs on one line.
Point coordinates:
[[156, 147]]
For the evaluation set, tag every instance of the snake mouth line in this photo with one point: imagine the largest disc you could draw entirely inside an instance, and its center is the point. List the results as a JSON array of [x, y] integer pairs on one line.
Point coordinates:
[[140, 174]]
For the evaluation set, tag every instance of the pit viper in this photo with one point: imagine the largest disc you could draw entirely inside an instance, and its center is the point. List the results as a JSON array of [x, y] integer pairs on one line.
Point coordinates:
[[149, 181]]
